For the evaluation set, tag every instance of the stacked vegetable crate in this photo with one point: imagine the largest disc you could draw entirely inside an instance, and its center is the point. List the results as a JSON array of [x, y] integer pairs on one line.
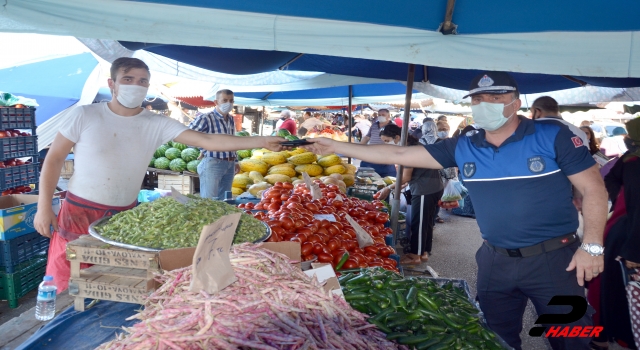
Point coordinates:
[[118, 274], [23, 261], [23, 256], [17, 174]]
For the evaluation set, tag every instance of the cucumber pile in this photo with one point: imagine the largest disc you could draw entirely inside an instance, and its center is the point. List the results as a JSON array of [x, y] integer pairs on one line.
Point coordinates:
[[417, 312]]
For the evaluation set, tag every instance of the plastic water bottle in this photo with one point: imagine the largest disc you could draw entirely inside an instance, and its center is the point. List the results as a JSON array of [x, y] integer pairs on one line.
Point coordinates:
[[46, 305]]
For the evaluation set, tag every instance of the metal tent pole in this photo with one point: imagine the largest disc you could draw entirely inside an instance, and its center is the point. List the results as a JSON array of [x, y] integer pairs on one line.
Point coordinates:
[[350, 119], [395, 202]]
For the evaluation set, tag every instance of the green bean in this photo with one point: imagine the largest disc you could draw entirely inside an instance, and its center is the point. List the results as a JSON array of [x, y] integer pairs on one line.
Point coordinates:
[[166, 223]]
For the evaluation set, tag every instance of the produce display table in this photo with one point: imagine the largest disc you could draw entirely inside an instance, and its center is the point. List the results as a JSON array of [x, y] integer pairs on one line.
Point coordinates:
[[83, 330]]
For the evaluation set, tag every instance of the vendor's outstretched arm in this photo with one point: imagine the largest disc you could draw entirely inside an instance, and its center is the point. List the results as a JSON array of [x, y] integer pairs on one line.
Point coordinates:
[[413, 156], [227, 143], [45, 217]]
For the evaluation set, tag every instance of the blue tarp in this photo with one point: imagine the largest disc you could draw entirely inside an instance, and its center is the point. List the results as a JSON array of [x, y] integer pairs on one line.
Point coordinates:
[[55, 84], [242, 61], [88, 329], [472, 17]]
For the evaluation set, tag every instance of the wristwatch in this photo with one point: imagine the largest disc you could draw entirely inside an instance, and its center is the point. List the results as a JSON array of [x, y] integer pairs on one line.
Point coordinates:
[[593, 249]]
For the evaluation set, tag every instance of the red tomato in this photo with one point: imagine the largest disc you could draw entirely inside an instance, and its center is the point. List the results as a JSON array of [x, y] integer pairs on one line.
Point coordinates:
[[371, 250], [296, 239], [286, 223], [304, 230], [385, 252], [391, 262], [382, 218], [363, 265], [332, 244], [317, 248], [301, 237], [349, 265], [274, 206], [278, 185], [325, 258], [375, 263], [306, 248], [287, 185], [241, 206], [308, 257], [315, 239]]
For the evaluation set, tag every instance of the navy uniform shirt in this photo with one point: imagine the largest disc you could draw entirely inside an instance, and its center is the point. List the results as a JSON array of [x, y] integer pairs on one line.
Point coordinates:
[[520, 190]]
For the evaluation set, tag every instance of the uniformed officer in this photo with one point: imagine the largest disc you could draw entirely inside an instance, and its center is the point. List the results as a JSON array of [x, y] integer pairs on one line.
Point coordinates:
[[519, 173]]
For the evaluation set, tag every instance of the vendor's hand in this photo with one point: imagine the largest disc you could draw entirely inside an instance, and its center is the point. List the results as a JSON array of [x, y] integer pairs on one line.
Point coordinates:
[[201, 156], [44, 219], [236, 168], [321, 145], [587, 266], [272, 143], [384, 193], [631, 264]]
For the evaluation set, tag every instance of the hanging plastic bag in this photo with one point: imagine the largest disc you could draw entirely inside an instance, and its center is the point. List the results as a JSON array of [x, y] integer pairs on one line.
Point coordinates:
[[452, 191]]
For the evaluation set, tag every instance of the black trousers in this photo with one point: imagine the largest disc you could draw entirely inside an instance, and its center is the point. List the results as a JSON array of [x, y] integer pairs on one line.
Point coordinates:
[[423, 211], [505, 283]]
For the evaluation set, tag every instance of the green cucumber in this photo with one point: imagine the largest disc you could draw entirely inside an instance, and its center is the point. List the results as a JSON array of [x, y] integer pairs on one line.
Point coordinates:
[[414, 339], [428, 343], [396, 335], [343, 260]]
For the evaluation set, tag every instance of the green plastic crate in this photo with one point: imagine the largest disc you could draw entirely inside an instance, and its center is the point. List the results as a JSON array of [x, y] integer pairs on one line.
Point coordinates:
[[13, 286]]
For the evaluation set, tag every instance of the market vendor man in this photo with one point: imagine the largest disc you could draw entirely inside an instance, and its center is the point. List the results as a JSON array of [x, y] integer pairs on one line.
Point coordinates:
[[216, 169], [519, 173], [113, 143]]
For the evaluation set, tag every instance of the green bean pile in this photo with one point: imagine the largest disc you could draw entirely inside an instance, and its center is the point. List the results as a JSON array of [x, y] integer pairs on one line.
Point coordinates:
[[166, 223]]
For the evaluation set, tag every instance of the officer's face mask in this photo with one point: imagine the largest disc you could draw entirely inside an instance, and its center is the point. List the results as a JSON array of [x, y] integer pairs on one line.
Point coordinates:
[[489, 116]]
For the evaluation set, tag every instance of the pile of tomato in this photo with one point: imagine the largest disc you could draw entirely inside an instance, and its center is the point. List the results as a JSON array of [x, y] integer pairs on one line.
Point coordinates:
[[17, 190], [289, 211]]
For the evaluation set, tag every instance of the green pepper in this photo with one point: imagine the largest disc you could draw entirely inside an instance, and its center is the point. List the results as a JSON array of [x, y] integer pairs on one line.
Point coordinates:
[[343, 260], [379, 324], [356, 296]]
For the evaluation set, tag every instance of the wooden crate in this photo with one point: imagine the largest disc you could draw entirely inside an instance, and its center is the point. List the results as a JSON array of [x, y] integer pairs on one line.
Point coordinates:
[[118, 274], [185, 184]]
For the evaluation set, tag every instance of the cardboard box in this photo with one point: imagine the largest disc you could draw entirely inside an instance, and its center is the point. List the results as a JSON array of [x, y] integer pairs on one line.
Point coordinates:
[[171, 259], [17, 212], [325, 274]]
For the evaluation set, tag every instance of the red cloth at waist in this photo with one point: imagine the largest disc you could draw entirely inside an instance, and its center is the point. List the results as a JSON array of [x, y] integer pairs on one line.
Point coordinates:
[[77, 214]]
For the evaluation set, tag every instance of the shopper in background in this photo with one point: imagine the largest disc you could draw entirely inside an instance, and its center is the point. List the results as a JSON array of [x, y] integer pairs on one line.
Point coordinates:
[[415, 130], [614, 146], [429, 132], [373, 138], [622, 241], [546, 108], [288, 123], [310, 124], [594, 147], [447, 173], [362, 126], [426, 189], [398, 120]]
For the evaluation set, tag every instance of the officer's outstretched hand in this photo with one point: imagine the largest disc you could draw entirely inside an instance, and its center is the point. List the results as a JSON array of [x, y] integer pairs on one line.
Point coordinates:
[[587, 266], [321, 145]]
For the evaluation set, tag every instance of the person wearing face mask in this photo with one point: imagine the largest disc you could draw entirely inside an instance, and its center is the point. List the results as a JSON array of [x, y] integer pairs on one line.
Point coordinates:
[[426, 189], [113, 143], [288, 123], [373, 138], [216, 169], [520, 174], [415, 130]]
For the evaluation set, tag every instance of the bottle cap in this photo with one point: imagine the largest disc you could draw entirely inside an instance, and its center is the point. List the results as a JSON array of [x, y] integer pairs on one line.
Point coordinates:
[[48, 278]]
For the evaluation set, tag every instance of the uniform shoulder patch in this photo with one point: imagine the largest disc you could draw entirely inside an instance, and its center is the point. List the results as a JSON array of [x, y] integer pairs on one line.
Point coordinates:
[[577, 141], [536, 164], [469, 169]]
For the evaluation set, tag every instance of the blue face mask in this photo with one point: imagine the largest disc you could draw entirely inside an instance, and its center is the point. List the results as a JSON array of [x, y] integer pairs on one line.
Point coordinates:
[[489, 116]]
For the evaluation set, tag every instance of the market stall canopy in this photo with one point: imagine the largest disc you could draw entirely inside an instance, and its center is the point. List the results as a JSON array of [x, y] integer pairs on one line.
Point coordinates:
[[378, 37], [55, 84], [333, 96]]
